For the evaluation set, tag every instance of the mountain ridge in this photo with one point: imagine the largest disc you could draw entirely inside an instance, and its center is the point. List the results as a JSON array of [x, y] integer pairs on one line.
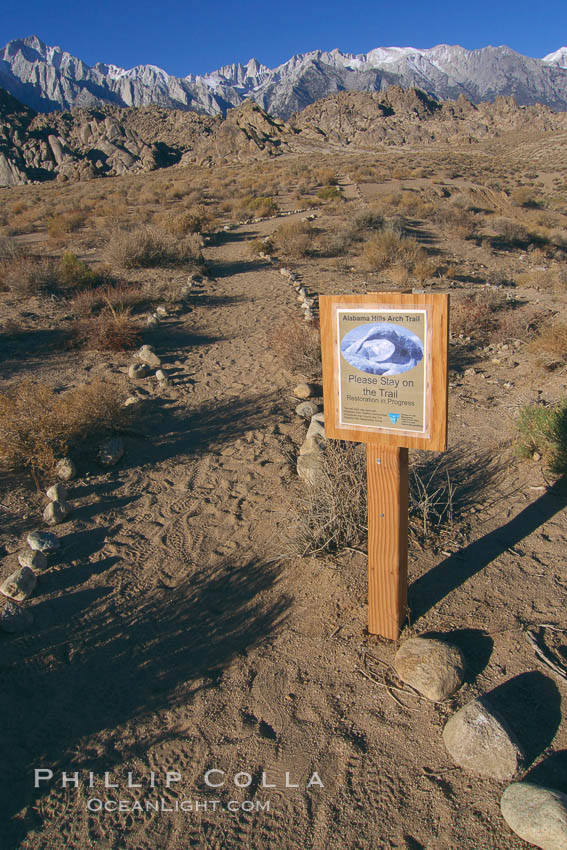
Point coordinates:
[[48, 78]]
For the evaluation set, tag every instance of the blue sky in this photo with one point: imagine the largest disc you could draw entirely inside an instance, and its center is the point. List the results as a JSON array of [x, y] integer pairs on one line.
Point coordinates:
[[190, 37]]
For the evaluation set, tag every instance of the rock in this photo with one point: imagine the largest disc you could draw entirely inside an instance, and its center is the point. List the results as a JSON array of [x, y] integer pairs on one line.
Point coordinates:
[[33, 559], [132, 399], [15, 618], [43, 541], [316, 427], [55, 512], [161, 376], [478, 740], [310, 468], [162, 311], [152, 322], [434, 668], [57, 493], [304, 391], [311, 444], [65, 469], [470, 372], [111, 451], [536, 814], [284, 272], [307, 409], [149, 358], [137, 371], [20, 585]]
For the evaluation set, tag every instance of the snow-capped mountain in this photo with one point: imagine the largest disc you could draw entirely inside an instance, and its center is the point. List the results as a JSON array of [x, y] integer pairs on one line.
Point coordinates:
[[558, 57], [48, 78]]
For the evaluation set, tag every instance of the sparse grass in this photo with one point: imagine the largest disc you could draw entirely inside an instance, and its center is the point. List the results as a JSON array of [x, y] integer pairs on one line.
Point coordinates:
[[299, 347], [149, 247], [330, 193], [332, 515], [542, 430], [475, 315], [28, 275], [113, 329], [550, 346], [389, 248], [294, 239], [89, 302], [38, 425]]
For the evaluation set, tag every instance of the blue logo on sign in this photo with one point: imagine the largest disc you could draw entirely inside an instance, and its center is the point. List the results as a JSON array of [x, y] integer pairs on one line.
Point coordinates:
[[394, 417]]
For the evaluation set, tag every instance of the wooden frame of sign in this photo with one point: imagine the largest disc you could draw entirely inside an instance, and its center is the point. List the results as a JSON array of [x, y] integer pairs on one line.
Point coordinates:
[[385, 384]]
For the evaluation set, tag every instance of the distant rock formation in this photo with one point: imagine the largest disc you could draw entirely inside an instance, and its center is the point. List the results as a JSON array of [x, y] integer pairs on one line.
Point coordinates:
[[87, 143]]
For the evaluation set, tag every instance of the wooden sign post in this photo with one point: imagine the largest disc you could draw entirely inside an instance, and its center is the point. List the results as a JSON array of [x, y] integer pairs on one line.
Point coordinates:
[[385, 384]]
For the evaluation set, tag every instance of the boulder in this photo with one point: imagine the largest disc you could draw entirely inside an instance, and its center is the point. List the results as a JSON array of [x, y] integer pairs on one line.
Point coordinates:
[[55, 512], [536, 814], [65, 469], [57, 493], [316, 427], [310, 468], [20, 585], [479, 740], [137, 371], [33, 559], [111, 451], [307, 409], [304, 391], [432, 667], [43, 541], [147, 356]]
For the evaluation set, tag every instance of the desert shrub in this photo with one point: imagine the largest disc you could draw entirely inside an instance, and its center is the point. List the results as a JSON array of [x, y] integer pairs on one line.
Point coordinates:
[[550, 346], [65, 223], [521, 323], [75, 274], [10, 249], [332, 515], [113, 329], [542, 429], [258, 207], [326, 176], [330, 193], [259, 246], [28, 275], [512, 232], [475, 315], [90, 301], [337, 243], [527, 197], [389, 248], [294, 238], [38, 425], [299, 347], [150, 246], [366, 221]]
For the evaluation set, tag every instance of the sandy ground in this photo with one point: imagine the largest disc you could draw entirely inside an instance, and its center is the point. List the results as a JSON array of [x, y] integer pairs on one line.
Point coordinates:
[[170, 636]]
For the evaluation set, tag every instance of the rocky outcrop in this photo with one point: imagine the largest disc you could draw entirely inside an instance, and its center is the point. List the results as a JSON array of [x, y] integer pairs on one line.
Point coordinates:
[[87, 143]]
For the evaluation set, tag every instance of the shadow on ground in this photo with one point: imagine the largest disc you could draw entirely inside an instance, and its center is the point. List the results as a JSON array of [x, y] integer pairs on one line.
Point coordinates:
[[193, 431], [428, 590], [124, 665]]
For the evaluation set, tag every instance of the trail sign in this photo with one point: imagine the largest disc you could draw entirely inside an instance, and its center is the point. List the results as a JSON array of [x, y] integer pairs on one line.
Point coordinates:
[[385, 384]]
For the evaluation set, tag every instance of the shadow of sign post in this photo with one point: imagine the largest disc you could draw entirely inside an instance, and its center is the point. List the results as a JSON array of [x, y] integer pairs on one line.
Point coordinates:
[[384, 361]]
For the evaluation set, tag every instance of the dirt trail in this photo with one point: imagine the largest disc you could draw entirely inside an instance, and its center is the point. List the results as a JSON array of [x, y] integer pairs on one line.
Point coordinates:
[[168, 637]]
